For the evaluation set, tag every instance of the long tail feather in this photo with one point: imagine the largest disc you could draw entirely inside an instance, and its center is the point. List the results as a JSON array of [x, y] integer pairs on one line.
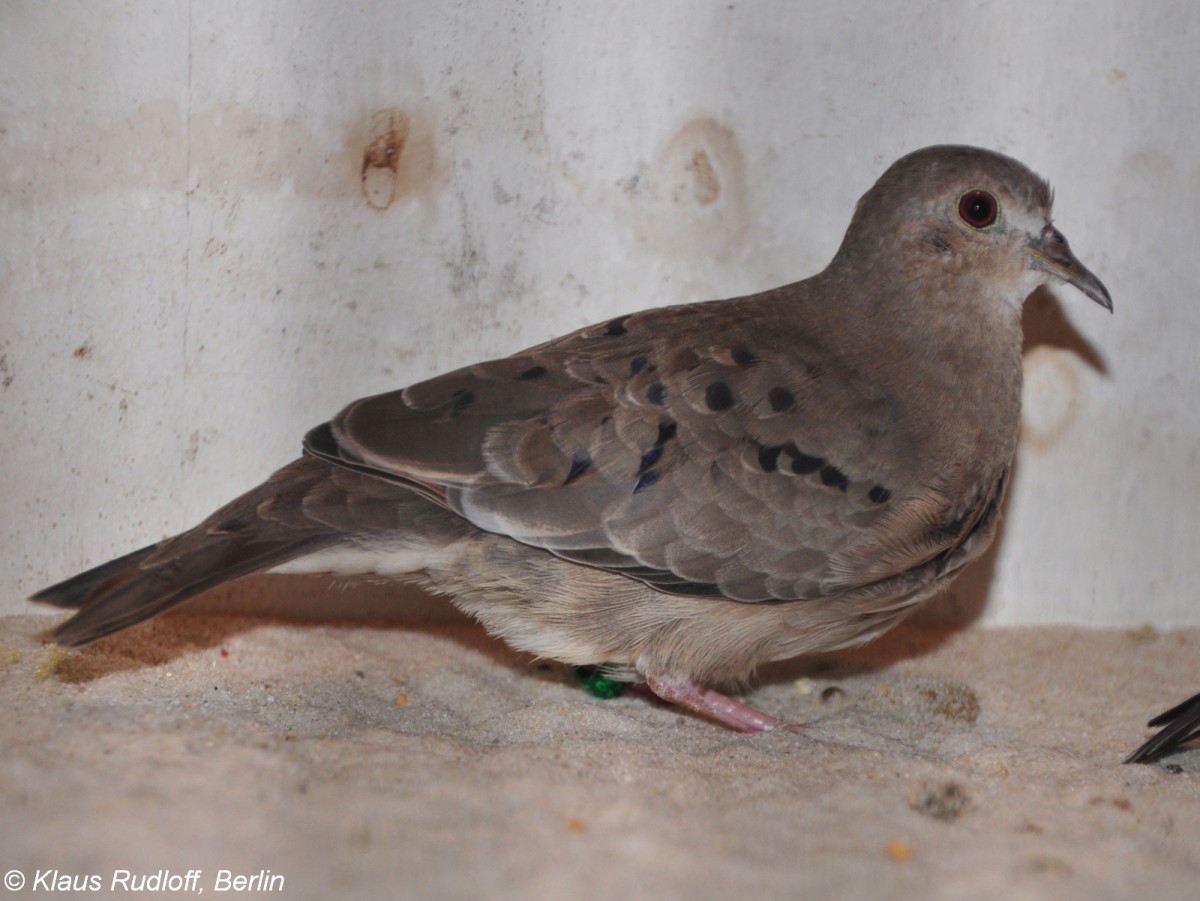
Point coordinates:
[[1181, 724], [73, 593], [142, 592], [265, 527]]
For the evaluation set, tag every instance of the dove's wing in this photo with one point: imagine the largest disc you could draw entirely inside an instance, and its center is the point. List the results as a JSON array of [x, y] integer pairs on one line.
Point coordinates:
[[715, 449]]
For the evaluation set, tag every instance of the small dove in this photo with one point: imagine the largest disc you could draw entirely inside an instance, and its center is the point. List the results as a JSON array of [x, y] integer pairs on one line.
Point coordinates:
[[1180, 725], [682, 494]]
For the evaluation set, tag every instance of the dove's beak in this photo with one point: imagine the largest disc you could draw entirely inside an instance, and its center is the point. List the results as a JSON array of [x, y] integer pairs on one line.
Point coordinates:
[[1051, 253]]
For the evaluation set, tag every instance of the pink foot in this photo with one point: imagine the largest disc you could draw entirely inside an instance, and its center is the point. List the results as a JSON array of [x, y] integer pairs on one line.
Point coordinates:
[[715, 705]]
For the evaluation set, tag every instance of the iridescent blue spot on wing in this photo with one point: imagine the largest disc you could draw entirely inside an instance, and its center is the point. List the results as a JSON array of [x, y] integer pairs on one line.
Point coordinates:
[[647, 479], [649, 458], [580, 463]]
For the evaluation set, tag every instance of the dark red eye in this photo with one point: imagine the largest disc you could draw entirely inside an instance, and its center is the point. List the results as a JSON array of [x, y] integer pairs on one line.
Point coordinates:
[[978, 209]]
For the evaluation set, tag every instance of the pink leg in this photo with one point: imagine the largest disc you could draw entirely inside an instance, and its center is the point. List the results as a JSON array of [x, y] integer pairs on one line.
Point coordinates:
[[715, 705]]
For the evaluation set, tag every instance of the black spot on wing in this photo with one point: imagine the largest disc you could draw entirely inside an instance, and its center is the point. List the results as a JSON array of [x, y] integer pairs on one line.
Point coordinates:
[[834, 477], [802, 463], [533, 372], [879, 495], [781, 400], [636, 365], [743, 357], [616, 328], [768, 457], [657, 394], [718, 397]]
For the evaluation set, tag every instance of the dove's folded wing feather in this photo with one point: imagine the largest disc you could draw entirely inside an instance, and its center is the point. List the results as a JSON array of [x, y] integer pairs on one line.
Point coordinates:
[[683, 446]]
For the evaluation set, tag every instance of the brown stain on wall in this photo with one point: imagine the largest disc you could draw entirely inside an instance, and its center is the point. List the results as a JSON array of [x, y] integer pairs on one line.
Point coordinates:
[[227, 150], [1054, 398], [381, 159], [691, 199], [706, 186], [398, 159], [699, 164]]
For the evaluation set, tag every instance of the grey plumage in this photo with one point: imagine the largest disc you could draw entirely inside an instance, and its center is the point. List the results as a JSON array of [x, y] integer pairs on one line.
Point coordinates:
[[686, 492]]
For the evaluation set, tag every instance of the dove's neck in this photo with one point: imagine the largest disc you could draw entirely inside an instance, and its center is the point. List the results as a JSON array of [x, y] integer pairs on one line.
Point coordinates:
[[955, 314], [954, 340]]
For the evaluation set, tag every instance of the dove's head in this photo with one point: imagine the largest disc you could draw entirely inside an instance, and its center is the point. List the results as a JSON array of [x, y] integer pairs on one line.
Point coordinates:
[[975, 218]]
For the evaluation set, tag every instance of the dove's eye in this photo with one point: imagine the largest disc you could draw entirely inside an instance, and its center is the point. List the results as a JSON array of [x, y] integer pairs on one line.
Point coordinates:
[[978, 209]]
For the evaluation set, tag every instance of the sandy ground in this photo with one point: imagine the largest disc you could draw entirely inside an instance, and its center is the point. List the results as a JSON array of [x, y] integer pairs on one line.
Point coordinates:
[[428, 761]]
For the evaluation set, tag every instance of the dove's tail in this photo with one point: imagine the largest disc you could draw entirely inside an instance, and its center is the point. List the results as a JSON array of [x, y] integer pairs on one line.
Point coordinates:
[[1180, 725], [261, 529]]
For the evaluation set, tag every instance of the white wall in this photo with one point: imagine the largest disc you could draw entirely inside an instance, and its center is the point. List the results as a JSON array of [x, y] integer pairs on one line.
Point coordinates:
[[193, 272]]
